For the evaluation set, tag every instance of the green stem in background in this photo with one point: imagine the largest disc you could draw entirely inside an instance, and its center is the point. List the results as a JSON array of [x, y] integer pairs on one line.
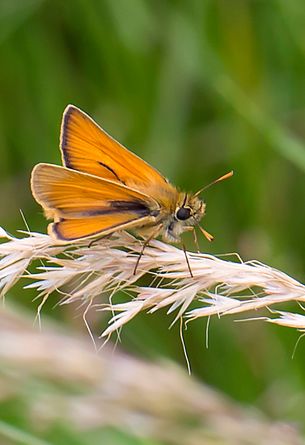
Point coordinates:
[[278, 138], [19, 436]]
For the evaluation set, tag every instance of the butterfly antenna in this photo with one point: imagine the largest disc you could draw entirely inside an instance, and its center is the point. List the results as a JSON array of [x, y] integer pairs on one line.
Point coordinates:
[[226, 176]]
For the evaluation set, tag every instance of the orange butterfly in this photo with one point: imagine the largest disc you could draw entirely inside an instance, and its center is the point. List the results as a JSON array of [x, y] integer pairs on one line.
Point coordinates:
[[103, 187]]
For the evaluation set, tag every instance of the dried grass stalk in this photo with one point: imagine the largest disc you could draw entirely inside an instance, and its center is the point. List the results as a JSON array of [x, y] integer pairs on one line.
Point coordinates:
[[86, 272]]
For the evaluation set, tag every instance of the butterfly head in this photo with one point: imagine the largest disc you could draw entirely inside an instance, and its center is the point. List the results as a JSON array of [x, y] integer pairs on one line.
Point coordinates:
[[188, 213]]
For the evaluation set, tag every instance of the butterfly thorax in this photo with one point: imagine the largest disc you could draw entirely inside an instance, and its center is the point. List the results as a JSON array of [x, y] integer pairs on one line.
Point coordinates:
[[178, 212]]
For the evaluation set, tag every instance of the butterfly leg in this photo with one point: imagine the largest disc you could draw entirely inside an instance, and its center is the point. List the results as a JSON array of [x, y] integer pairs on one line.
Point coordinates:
[[196, 240], [187, 260], [154, 234]]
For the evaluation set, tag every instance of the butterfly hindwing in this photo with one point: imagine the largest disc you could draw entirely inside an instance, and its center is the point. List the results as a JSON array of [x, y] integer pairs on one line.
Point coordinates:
[[79, 228], [84, 205]]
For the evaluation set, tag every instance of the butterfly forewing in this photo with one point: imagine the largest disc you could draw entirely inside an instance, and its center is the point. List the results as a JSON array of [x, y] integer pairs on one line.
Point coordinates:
[[87, 148]]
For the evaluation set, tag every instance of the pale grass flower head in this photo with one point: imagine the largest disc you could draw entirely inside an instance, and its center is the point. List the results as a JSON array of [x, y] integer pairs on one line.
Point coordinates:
[[94, 273]]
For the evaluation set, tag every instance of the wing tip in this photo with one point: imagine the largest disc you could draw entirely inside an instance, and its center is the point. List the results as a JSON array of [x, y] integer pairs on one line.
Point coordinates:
[[70, 107], [64, 132], [70, 111]]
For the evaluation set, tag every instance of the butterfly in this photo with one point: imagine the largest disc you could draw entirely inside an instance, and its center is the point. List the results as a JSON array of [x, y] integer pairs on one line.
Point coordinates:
[[103, 188]]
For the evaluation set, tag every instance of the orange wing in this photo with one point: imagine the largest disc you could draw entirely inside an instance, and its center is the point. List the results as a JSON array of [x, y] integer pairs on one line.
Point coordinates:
[[84, 205], [74, 229], [87, 148]]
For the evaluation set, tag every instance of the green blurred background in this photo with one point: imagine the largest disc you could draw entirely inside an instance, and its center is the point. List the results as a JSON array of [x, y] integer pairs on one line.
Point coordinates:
[[196, 88]]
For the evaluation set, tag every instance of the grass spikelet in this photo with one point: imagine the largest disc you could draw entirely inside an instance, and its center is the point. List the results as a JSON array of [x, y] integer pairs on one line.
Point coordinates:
[[94, 273]]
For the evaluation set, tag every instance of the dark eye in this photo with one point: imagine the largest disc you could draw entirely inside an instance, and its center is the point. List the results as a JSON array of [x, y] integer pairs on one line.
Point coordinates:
[[183, 213]]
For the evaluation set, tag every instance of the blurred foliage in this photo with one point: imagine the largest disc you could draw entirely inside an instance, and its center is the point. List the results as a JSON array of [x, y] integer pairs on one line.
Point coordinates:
[[197, 88]]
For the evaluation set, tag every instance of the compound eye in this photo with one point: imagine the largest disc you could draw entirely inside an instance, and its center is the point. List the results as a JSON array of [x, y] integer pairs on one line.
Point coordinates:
[[183, 213]]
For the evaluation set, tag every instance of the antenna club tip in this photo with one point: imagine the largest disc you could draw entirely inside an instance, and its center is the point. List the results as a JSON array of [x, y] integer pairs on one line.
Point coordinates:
[[226, 176]]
